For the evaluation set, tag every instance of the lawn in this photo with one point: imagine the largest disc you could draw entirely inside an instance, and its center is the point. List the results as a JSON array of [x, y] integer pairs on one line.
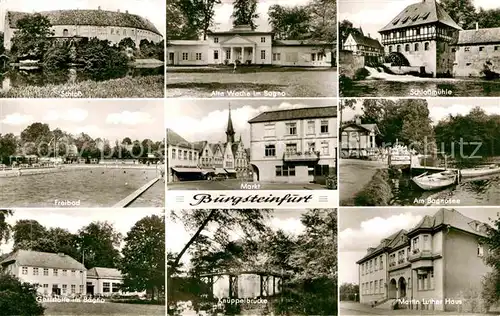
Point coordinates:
[[111, 309], [287, 81], [127, 87]]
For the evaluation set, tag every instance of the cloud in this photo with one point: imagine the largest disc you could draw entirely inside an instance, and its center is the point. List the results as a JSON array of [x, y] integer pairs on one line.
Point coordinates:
[[290, 225], [17, 119], [129, 118], [72, 115], [372, 231]]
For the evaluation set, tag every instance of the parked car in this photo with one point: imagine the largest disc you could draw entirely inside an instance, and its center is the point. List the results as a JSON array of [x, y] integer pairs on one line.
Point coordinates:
[[216, 177]]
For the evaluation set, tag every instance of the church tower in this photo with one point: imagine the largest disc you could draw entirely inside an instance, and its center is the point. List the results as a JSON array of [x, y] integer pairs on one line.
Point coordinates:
[[230, 129]]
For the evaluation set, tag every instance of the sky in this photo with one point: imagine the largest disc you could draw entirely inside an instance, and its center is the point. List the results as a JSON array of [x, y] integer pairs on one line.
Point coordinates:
[[440, 108], [178, 235], [222, 22], [210, 116], [360, 228], [74, 219], [372, 15], [110, 119], [153, 10]]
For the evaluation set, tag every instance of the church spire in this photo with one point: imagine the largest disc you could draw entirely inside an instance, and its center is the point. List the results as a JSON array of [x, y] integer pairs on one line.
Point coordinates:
[[230, 129]]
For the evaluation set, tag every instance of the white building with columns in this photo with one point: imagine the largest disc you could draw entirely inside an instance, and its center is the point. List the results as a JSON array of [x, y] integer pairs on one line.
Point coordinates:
[[243, 45]]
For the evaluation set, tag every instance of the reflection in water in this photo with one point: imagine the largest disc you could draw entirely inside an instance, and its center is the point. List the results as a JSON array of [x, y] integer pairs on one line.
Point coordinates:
[[35, 76], [475, 191]]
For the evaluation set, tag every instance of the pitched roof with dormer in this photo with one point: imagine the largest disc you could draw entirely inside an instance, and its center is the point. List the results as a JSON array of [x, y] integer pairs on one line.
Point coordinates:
[[40, 259], [421, 13], [480, 36]]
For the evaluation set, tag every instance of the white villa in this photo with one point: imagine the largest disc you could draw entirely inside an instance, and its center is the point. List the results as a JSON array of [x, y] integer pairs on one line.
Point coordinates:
[[248, 46]]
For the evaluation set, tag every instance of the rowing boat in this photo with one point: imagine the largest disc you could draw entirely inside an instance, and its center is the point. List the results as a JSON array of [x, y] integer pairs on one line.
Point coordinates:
[[435, 181], [478, 172]]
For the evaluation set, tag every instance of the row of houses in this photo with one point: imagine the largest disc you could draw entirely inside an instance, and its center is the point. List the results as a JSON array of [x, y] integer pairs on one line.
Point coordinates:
[[60, 274], [424, 38], [286, 146]]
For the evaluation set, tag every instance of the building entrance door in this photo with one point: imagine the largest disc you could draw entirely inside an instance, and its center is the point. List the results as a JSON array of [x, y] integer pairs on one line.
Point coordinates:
[[171, 58], [402, 287]]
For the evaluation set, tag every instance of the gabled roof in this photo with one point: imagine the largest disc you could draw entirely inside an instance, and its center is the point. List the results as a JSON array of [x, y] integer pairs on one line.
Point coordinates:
[[293, 114], [175, 139], [393, 241], [423, 12], [89, 17], [200, 145], [104, 273], [239, 29], [366, 41], [481, 36], [451, 218], [39, 259], [367, 127]]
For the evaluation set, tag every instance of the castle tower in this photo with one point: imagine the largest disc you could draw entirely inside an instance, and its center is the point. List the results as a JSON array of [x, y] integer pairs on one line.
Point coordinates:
[[230, 129]]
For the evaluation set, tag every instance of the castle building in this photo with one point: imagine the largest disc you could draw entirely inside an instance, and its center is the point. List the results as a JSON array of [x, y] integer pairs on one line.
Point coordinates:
[[294, 145], [105, 25], [421, 37], [429, 266], [243, 45]]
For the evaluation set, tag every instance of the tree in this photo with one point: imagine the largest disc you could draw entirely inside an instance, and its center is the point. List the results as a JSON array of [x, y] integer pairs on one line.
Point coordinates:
[[346, 104], [290, 22], [207, 14], [2, 48], [349, 292], [491, 282], [57, 56], [26, 233], [100, 60], [8, 146], [143, 262], [245, 13], [98, 243], [32, 38], [324, 24], [36, 133], [18, 298], [250, 221], [127, 42], [462, 12], [5, 228], [488, 18]]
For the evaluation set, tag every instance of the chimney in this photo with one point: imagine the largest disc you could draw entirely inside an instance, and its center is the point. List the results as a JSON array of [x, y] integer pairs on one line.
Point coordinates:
[[99, 8], [369, 35], [126, 11], [477, 26], [118, 10], [358, 121]]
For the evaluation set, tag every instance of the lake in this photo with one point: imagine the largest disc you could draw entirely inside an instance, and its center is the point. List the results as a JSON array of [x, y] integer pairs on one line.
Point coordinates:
[[38, 77], [422, 88], [94, 187]]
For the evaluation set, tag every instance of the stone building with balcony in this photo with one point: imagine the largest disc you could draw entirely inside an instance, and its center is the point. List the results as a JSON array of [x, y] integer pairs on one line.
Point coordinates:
[[421, 38], [428, 266], [294, 145]]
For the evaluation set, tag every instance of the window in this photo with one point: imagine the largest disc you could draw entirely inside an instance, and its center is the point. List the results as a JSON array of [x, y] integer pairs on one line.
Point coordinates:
[[185, 155], [415, 245], [407, 47], [173, 153], [64, 288], [216, 39], [390, 49], [262, 39], [25, 270], [269, 130], [46, 272], [45, 289], [398, 48], [426, 243], [216, 54], [65, 32], [311, 147], [105, 287], [481, 48], [54, 272], [190, 155], [115, 287], [35, 271], [285, 171], [375, 287], [262, 54], [291, 128], [73, 289], [325, 148], [291, 148], [311, 128], [198, 56], [426, 46], [466, 48], [416, 47], [313, 57], [497, 47], [228, 53], [324, 127], [480, 250], [185, 56], [371, 287], [65, 272], [381, 263], [276, 56], [270, 151], [73, 273], [112, 31], [80, 288]]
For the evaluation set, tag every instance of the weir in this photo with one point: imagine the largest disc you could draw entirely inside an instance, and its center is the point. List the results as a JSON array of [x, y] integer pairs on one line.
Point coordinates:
[[134, 195]]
